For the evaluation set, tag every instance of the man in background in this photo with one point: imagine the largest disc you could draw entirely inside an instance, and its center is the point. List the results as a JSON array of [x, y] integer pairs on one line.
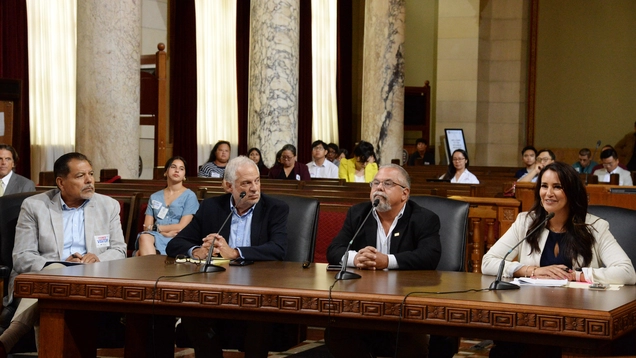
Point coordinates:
[[627, 150], [610, 161], [544, 157], [332, 153], [420, 156], [585, 163], [320, 167], [10, 182]]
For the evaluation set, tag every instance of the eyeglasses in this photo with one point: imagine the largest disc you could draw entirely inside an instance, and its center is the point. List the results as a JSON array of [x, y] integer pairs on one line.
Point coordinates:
[[180, 259], [543, 160], [388, 184], [286, 158], [458, 159]]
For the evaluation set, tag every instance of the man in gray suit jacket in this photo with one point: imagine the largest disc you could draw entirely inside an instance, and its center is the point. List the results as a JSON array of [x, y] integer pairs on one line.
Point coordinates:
[[71, 224], [10, 182]]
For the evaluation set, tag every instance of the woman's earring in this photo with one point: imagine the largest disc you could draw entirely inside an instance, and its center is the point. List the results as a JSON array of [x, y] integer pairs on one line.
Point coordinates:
[[184, 178]]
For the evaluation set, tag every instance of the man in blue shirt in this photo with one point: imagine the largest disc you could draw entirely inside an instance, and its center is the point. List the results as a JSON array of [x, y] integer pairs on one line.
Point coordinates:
[[585, 163]]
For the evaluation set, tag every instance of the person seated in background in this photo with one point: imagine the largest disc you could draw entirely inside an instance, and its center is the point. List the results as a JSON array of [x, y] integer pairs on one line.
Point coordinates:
[[600, 165], [219, 156], [169, 210], [320, 167], [255, 155], [573, 245], [10, 182], [333, 153], [626, 150], [342, 154], [458, 169], [529, 157], [609, 159], [399, 234], [71, 223], [257, 231], [585, 163], [544, 157], [420, 156], [290, 168], [362, 167]]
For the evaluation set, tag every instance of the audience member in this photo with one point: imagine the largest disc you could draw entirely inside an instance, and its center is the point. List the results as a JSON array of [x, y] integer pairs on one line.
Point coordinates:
[[290, 168], [10, 182], [219, 156], [609, 159], [257, 231], [320, 167], [529, 156], [71, 223], [574, 245], [544, 157], [169, 210], [333, 153], [255, 155], [420, 156], [585, 163], [458, 169], [362, 168], [626, 149], [600, 165], [399, 235]]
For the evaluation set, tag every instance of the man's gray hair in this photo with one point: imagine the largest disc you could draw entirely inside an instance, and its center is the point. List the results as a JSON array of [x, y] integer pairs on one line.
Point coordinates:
[[404, 176], [234, 164]]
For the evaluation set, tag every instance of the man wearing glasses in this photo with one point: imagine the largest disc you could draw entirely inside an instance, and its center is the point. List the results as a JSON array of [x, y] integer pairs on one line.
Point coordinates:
[[544, 157], [399, 235]]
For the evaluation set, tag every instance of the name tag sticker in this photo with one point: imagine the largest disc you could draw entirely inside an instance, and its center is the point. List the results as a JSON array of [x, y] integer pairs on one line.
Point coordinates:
[[396, 234], [102, 240], [156, 204], [162, 213]]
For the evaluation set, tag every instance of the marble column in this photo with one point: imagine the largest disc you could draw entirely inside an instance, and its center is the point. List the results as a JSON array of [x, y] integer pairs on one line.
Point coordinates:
[[273, 87], [383, 78], [108, 44]]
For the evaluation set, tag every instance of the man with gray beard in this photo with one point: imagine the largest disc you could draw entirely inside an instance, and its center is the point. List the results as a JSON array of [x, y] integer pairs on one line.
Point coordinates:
[[399, 235]]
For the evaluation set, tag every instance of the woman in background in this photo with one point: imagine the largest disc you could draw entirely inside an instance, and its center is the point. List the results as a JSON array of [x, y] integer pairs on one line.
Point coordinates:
[[219, 156], [289, 168], [255, 155], [362, 168], [169, 210], [458, 169]]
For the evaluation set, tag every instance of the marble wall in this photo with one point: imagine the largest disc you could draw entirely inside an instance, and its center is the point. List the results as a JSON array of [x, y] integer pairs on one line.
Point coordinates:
[[108, 84], [383, 78], [273, 78]]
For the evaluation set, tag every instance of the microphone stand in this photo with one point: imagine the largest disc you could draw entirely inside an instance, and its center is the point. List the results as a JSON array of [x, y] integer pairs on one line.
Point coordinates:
[[209, 266], [497, 284], [343, 274], [591, 159]]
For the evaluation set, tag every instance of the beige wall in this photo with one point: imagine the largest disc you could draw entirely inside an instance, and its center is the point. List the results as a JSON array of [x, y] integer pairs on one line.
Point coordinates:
[[154, 25], [586, 72]]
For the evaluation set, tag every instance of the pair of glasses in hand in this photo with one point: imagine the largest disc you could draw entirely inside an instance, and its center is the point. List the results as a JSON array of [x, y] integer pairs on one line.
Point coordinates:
[[180, 259]]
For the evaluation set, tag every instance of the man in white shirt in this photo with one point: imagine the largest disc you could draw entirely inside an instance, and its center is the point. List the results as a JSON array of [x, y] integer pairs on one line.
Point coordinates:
[[320, 167], [609, 159]]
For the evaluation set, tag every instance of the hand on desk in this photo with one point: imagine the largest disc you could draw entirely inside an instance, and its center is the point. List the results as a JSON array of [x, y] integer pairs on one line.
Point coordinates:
[[371, 259], [85, 259], [220, 248], [558, 272]]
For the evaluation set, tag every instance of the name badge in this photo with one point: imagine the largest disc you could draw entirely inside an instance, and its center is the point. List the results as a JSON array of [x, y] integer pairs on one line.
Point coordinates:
[[162, 213], [102, 240], [156, 204]]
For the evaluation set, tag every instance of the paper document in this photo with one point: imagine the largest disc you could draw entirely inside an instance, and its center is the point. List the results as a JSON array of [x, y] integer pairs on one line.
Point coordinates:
[[540, 281]]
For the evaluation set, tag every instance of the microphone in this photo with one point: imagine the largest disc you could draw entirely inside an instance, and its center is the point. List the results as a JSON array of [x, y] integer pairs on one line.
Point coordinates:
[[598, 144], [209, 266], [343, 274], [497, 284]]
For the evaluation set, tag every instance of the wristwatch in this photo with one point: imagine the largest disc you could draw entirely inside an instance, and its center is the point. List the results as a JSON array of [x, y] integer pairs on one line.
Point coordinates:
[[154, 227]]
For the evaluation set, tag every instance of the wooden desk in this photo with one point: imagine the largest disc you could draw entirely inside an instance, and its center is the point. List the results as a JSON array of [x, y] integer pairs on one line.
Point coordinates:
[[285, 292]]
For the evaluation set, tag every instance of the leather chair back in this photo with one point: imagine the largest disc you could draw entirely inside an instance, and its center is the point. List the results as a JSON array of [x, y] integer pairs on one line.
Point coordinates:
[[622, 225], [9, 212], [453, 216], [302, 225]]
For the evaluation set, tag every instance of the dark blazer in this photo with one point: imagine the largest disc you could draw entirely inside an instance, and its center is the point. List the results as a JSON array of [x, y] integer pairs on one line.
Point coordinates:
[[427, 159], [414, 242], [19, 184], [299, 169], [269, 228]]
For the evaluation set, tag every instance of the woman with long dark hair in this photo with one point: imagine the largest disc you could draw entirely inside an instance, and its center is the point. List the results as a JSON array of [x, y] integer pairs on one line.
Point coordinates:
[[458, 169], [255, 155], [219, 156], [362, 168], [573, 245]]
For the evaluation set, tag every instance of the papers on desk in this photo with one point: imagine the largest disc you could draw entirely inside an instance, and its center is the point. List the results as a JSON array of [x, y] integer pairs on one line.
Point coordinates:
[[540, 281]]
